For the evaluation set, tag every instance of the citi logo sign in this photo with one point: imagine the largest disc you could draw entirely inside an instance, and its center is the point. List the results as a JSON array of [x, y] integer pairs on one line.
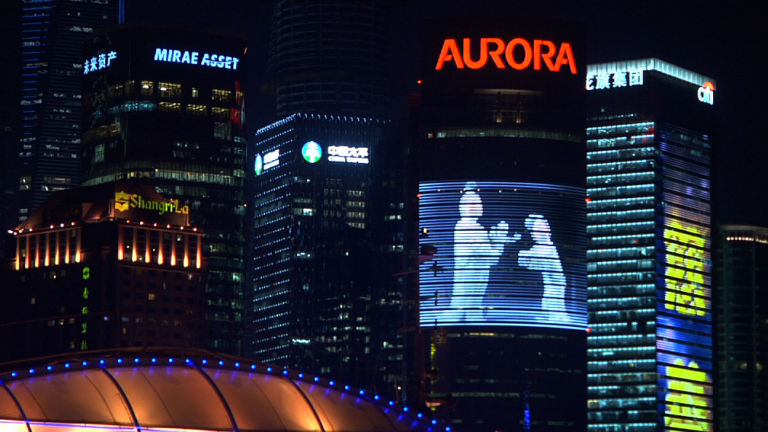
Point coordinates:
[[517, 54], [706, 93]]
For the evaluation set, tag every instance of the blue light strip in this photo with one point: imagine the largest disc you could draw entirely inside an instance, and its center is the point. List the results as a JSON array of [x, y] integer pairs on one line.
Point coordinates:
[[199, 364]]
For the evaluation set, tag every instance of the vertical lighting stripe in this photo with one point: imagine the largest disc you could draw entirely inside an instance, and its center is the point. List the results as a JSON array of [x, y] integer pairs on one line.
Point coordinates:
[[78, 244], [147, 244], [134, 245], [120, 241], [160, 240], [199, 254], [57, 253], [186, 250]]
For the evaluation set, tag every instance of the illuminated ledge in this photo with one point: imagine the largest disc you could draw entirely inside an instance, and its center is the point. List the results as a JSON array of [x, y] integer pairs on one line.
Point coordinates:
[[650, 64], [135, 390]]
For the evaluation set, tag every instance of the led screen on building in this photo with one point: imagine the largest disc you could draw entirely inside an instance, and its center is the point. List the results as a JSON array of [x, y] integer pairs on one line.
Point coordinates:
[[502, 254]]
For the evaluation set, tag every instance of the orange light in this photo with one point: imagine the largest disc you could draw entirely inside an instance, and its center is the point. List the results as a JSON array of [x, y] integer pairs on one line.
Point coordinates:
[[186, 251], [542, 51], [709, 85], [48, 248], [199, 254]]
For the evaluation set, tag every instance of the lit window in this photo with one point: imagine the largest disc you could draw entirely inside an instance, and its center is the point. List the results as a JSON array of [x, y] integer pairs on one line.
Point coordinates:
[[218, 95], [147, 87], [169, 106], [169, 90], [197, 109], [195, 93]]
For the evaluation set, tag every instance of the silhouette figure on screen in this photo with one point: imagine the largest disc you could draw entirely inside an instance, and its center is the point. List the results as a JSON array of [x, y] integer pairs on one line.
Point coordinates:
[[475, 250], [543, 257]]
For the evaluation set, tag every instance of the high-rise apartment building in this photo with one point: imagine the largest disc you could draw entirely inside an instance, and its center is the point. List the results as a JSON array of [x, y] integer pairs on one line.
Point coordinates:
[[650, 356], [107, 266], [47, 157], [166, 106], [501, 228], [741, 323]]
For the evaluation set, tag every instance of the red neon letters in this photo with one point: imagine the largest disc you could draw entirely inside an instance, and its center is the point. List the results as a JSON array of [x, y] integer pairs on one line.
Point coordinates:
[[541, 51]]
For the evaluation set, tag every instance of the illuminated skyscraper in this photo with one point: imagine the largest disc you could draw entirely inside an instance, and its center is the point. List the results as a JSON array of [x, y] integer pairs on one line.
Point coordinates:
[[501, 225], [327, 202], [166, 106], [648, 223], [741, 318], [47, 157]]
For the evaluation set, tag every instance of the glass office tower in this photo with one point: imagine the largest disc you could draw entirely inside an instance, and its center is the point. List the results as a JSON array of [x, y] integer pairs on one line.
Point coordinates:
[[166, 106], [741, 318], [47, 157], [649, 262], [325, 248]]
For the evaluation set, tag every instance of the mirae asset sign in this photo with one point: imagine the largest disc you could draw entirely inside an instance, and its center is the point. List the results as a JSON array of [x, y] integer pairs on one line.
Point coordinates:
[[196, 58]]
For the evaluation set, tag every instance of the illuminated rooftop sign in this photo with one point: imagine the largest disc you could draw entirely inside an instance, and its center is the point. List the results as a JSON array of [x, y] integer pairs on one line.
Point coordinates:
[[99, 62], [124, 202], [629, 73], [196, 58], [311, 152], [516, 54], [348, 154]]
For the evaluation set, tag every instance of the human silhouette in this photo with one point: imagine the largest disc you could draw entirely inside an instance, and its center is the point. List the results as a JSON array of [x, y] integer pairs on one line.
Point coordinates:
[[475, 250], [543, 257]]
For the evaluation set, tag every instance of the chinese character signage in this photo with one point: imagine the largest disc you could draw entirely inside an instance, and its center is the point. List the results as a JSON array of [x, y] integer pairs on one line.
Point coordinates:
[[606, 80], [99, 62]]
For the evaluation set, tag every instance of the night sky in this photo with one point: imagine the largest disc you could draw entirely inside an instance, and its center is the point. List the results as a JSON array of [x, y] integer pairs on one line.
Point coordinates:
[[724, 40]]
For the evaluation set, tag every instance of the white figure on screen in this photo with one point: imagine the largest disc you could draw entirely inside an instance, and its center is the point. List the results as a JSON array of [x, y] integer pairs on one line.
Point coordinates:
[[543, 257], [475, 250]]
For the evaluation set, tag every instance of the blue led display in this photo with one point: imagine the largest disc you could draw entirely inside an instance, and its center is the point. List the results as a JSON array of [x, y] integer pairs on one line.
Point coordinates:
[[502, 254]]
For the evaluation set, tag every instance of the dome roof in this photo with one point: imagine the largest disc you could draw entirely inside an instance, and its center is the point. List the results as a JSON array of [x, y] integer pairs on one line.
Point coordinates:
[[130, 391]]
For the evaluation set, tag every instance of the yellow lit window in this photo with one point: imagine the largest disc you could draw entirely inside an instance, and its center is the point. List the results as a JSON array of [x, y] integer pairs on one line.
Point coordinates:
[[169, 106], [197, 109], [169, 90], [218, 95], [147, 88]]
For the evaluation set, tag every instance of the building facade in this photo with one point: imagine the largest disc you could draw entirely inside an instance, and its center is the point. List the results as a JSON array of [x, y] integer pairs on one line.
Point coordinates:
[[114, 265], [741, 318], [326, 196], [47, 156], [649, 263], [325, 248], [166, 106], [502, 268]]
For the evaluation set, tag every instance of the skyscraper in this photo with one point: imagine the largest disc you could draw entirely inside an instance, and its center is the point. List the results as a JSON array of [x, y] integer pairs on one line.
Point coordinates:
[[502, 271], [648, 222], [741, 318], [328, 229], [166, 106], [47, 157]]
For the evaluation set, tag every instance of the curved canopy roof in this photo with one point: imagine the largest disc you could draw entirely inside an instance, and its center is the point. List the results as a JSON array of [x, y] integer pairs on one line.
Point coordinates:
[[165, 393]]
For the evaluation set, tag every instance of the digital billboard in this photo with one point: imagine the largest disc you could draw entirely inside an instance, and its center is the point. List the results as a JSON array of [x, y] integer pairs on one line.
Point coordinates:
[[502, 254]]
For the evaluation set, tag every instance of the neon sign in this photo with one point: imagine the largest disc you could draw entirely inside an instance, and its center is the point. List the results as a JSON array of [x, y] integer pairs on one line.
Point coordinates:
[[684, 274], [620, 79], [503, 54], [126, 201], [348, 154], [311, 152], [706, 93], [194, 58], [97, 63], [272, 159]]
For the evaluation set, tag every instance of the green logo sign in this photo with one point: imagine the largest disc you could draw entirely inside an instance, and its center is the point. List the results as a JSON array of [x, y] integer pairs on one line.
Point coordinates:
[[258, 166], [312, 152]]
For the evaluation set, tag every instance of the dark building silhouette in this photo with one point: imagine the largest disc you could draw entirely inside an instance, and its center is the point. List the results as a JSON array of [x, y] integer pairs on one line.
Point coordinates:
[[649, 147], [498, 153], [48, 147], [331, 57], [741, 322], [166, 106], [106, 266]]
